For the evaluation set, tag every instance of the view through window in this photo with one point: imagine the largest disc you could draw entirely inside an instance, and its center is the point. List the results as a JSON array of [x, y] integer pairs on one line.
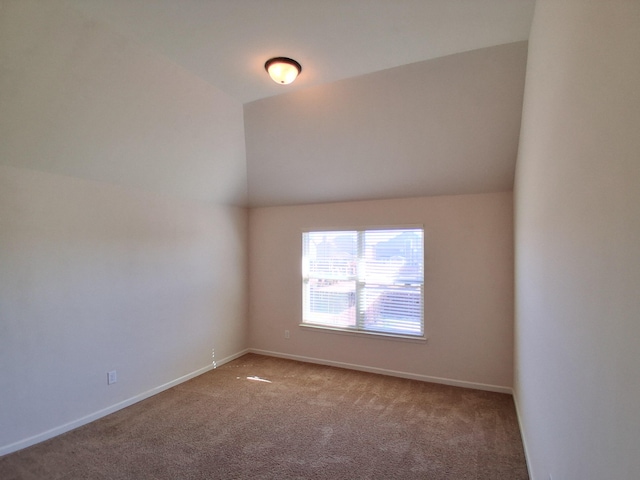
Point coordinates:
[[364, 280]]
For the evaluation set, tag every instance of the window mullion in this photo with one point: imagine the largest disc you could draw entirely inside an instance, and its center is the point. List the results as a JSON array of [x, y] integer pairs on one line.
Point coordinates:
[[360, 281]]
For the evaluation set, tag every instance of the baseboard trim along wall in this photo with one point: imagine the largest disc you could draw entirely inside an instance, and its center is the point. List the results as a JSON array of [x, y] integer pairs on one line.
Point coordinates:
[[393, 373], [41, 437], [523, 436]]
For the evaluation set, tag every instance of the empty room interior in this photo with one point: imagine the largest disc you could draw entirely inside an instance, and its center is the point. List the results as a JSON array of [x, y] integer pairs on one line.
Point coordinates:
[[156, 188]]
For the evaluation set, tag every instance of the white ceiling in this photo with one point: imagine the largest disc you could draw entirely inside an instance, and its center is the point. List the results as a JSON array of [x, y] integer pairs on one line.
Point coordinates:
[[226, 42]]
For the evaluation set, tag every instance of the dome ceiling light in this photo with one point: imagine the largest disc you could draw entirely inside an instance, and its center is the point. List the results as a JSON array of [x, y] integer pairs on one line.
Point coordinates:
[[283, 70]]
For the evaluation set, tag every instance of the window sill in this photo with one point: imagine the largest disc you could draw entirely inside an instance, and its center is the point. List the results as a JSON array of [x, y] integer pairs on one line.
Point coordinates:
[[379, 335]]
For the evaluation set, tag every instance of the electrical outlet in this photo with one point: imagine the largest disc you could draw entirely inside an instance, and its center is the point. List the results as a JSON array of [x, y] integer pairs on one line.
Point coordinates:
[[286, 334], [111, 377]]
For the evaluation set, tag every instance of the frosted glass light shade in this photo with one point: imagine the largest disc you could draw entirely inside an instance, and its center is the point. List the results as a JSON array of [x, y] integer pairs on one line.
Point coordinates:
[[283, 70]]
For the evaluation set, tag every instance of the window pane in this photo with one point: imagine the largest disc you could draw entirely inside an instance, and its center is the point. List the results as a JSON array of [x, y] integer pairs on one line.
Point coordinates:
[[331, 303], [392, 309], [393, 256], [331, 255]]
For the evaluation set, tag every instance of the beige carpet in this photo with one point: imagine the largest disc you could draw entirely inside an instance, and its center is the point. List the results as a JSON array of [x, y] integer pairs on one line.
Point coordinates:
[[266, 418]]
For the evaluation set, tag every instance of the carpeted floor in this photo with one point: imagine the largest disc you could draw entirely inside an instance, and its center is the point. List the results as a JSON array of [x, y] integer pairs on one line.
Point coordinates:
[[267, 418]]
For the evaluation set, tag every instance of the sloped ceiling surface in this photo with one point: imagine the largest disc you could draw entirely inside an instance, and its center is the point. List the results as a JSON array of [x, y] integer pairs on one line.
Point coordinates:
[[396, 98], [443, 126]]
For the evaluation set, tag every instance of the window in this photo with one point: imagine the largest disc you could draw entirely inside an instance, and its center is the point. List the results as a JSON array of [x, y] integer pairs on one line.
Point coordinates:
[[364, 280]]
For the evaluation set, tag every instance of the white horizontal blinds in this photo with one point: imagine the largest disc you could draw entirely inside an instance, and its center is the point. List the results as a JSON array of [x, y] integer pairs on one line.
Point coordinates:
[[391, 281], [368, 280], [329, 275]]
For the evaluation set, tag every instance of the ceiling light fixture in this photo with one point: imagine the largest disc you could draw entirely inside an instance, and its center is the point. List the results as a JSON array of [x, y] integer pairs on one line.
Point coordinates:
[[283, 70]]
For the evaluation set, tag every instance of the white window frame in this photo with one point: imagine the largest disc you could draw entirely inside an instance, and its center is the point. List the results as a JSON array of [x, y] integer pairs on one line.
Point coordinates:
[[360, 328]]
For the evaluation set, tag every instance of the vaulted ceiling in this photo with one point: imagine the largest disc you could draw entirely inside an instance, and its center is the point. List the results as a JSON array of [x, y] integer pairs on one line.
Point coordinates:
[[397, 98]]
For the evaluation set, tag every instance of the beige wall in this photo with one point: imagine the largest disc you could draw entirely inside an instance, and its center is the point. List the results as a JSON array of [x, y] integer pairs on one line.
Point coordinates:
[[468, 287], [120, 247], [578, 243]]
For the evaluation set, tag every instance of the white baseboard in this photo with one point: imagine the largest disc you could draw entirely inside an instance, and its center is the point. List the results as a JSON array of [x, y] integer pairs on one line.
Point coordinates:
[[522, 436], [393, 373], [41, 437]]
